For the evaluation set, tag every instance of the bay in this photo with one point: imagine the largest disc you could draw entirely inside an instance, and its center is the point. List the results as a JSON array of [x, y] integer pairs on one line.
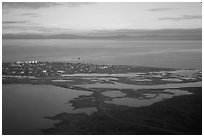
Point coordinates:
[[24, 107], [175, 54]]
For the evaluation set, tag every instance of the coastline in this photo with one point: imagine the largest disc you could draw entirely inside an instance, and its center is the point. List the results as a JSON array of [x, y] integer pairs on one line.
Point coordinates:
[[147, 87]]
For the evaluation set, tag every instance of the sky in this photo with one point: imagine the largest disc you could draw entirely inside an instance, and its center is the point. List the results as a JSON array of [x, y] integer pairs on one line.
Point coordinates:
[[54, 18]]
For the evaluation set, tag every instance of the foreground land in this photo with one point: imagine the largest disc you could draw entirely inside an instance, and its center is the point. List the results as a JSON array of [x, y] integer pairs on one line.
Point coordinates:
[[165, 100], [50, 69], [180, 115]]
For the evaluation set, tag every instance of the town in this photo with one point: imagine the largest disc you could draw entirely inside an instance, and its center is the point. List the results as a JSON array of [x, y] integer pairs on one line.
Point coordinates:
[[42, 69]]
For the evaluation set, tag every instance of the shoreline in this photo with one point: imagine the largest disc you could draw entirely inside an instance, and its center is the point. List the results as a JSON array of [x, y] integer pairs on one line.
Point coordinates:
[[139, 94]]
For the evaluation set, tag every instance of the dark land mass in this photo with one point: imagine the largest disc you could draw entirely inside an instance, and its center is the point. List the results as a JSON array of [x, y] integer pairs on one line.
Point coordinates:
[[179, 115]]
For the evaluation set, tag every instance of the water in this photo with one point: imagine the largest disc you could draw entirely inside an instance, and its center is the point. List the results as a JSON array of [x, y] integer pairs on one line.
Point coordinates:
[[135, 79], [172, 79], [61, 80], [113, 93], [100, 75], [149, 99], [176, 54], [117, 85], [25, 106]]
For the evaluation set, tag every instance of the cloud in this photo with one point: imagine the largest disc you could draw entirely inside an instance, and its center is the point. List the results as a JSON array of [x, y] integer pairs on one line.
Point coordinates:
[[161, 9], [14, 22], [15, 28], [76, 4], [30, 14], [38, 5], [29, 5], [184, 17]]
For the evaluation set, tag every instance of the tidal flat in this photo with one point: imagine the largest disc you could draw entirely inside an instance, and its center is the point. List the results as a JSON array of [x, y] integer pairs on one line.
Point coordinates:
[[111, 101], [181, 115]]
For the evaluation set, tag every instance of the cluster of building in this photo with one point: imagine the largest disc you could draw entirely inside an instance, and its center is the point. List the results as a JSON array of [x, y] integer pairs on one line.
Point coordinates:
[[30, 62], [35, 68]]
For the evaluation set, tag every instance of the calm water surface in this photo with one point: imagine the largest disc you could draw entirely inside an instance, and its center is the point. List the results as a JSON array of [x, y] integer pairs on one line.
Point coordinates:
[[176, 54], [117, 85], [149, 99], [113, 93], [25, 106]]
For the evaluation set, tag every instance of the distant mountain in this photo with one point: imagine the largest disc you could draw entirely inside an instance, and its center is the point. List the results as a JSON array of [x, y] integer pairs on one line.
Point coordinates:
[[59, 36], [163, 34]]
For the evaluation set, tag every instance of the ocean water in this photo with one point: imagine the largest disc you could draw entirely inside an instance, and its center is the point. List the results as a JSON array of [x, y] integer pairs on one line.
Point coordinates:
[[176, 54], [24, 107]]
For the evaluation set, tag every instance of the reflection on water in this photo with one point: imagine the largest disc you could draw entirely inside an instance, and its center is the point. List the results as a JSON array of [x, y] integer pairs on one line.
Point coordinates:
[[150, 95], [24, 106], [178, 92], [172, 79], [130, 86], [135, 79], [148, 99], [113, 94], [101, 75], [61, 80]]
